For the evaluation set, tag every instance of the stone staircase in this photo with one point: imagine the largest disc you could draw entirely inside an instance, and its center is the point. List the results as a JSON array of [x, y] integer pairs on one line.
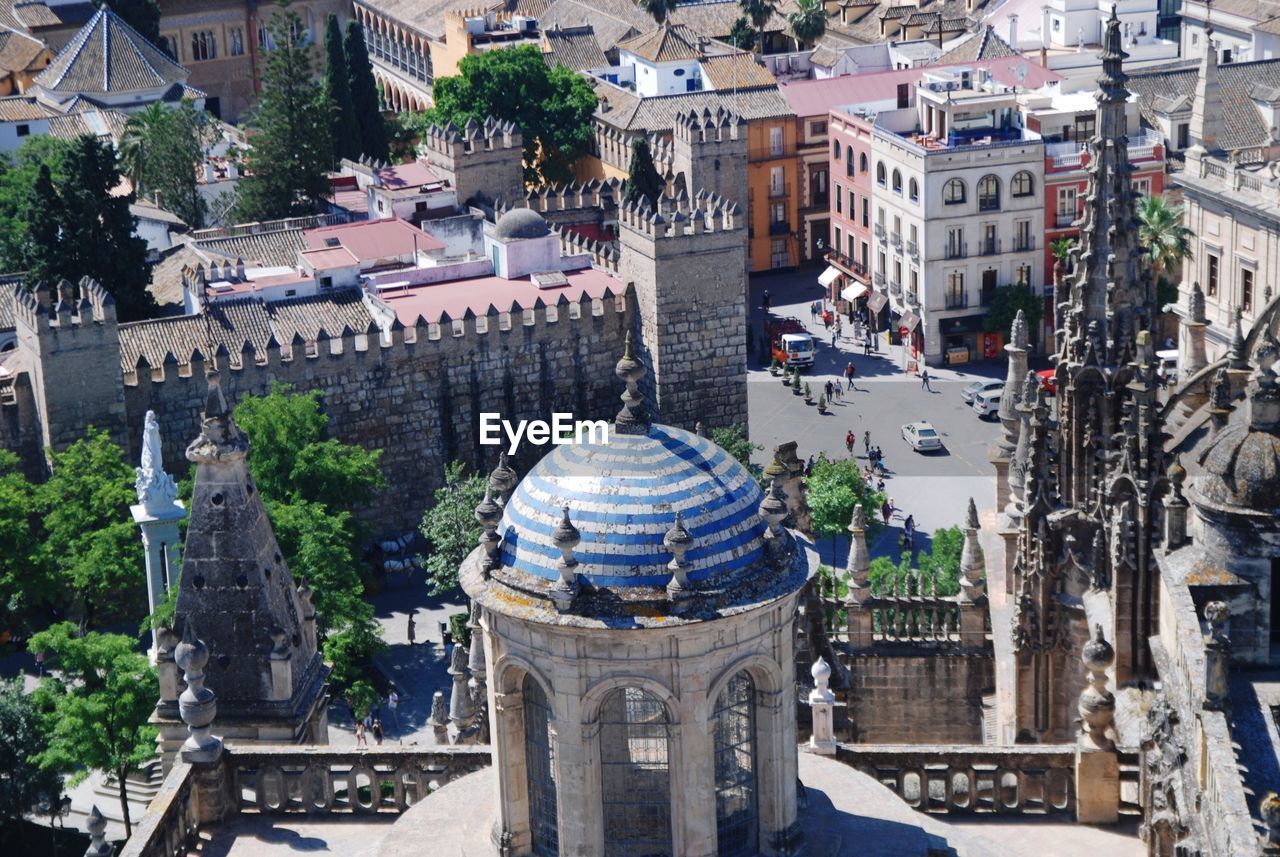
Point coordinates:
[[143, 785]]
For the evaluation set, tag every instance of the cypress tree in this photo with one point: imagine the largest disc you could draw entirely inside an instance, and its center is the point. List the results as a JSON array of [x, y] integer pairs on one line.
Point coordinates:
[[644, 181], [364, 95], [337, 86], [44, 216]]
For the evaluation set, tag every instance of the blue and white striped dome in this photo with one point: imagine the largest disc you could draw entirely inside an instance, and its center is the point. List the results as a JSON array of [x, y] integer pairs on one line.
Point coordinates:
[[623, 497]]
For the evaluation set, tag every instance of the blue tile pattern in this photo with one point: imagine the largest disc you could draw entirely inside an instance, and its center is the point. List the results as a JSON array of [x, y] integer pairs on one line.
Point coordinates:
[[623, 497]]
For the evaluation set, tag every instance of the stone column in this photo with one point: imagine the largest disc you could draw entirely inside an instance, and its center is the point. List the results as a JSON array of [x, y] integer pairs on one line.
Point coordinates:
[[1217, 658], [157, 514], [973, 584], [858, 583], [822, 702], [1175, 508], [509, 764], [1191, 333], [693, 772], [1097, 767], [1002, 452]]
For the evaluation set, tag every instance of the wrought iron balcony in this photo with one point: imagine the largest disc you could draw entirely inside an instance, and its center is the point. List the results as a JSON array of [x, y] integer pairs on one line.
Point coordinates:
[[989, 247], [780, 227], [1065, 219], [913, 249], [879, 231], [895, 238], [895, 289], [957, 300], [956, 250], [779, 190], [1023, 243], [879, 278]]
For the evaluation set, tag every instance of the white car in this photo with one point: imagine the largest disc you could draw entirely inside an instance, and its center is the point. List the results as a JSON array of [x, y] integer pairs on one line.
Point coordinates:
[[977, 388], [921, 436], [985, 405]]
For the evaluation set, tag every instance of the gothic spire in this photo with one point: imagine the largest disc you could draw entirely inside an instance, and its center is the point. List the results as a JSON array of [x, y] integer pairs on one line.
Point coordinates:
[[1207, 124]]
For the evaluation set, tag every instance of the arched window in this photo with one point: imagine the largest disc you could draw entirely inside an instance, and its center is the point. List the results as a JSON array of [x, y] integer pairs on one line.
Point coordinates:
[[835, 149], [634, 772], [989, 193], [880, 173], [540, 768], [737, 818], [897, 181], [953, 192], [914, 187], [848, 165], [1022, 185], [862, 162]]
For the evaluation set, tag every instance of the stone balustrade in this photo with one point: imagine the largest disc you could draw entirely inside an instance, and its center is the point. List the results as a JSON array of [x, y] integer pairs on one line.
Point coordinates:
[[314, 780], [968, 779]]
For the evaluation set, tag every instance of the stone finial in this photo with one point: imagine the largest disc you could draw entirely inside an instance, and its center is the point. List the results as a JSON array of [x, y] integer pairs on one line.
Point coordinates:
[[1269, 807], [476, 664], [156, 489], [489, 514], [1263, 392], [1018, 334], [502, 481], [822, 703], [973, 566], [1175, 506], [858, 564], [1236, 356], [565, 537], [634, 417], [461, 709], [1097, 704], [97, 827], [439, 710], [776, 470], [1146, 350], [220, 439], [197, 705], [678, 540], [700, 430], [1217, 657], [1195, 304], [1220, 398]]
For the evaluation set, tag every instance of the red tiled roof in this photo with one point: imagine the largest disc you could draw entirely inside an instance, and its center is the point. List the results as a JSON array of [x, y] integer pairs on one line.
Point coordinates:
[[373, 239], [816, 97], [412, 174], [329, 257], [477, 293]]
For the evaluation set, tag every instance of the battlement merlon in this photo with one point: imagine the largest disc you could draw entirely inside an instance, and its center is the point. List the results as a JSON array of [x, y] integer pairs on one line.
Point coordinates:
[[452, 141], [679, 218], [62, 308], [718, 126]]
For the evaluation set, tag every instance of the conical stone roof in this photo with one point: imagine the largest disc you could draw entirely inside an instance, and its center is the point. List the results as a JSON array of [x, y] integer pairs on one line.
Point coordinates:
[[109, 56]]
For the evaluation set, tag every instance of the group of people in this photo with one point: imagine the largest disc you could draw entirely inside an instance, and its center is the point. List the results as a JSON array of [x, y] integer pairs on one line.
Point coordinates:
[[371, 723]]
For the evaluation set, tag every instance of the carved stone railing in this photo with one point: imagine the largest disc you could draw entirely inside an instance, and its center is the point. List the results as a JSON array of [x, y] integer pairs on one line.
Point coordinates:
[[170, 826], [972, 779], [321, 780]]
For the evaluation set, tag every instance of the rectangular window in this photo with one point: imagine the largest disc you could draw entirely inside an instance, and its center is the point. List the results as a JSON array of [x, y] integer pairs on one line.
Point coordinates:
[[235, 41], [897, 270], [880, 262], [864, 253], [1142, 187], [880, 216], [1066, 206], [1246, 290], [776, 181], [835, 241], [1184, 135], [778, 213], [1211, 277], [915, 281], [817, 129], [955, 242], [775, 140], [23, 130], [1022, 275], [851, 208], [866, 213], [914, 234], [839, 200], [204, 46], [1022, 240]]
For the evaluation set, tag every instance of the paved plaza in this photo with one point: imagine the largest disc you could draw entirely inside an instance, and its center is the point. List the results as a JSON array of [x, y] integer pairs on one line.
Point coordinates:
[[935, 488]]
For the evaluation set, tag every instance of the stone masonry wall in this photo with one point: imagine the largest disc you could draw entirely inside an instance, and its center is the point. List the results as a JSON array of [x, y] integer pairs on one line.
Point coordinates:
[[419, 401], [928, 698]]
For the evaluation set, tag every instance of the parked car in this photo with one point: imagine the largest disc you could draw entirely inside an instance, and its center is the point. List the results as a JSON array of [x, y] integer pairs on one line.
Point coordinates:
[[1048, 381], [921, 436], [985, 405], [977, 388]]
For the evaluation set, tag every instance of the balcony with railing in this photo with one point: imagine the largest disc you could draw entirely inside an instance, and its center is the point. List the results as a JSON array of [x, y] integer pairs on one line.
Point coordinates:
[[912, 297], [779, 190], [913, 249], [895, 238], [879, 231], [780, 227], [957, 300], [895, 288], [848, 264], [820, 200], [1065, 218], [989, 247], [879, 278], [956, 250], [1024, 243], [1071, 155]]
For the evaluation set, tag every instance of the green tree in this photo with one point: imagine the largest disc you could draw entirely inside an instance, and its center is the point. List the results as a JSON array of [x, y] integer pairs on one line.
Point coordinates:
[[95, 706], [1061, 249], [657, 9], [89, 559], [23, 781], [44, 224], [940, 564], [552, 106], [292, 151], [1166, 242], [809, 22], [742, 35], [161, 152], [142, 15], [760, 12], [337, 86], [365, 101], [450, 526], [18, 534], [643, 181], [733, 440], [311, 486], [835, 488], [1004, 305]]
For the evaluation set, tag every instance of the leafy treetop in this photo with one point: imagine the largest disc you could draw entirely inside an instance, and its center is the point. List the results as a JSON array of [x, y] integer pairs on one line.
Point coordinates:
[[450, 526]]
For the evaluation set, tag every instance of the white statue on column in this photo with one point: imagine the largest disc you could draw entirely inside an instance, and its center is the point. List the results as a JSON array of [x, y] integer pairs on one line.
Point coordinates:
[[156, 489], [157, 514]]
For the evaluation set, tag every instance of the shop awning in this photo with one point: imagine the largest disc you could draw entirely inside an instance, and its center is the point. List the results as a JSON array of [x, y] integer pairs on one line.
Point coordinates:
[[828, 276], [853, 291], [909, 320], [876, 302]]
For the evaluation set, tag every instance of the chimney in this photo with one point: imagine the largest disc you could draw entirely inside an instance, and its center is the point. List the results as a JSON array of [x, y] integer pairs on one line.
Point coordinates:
[[1013, 32], [1045, 23]]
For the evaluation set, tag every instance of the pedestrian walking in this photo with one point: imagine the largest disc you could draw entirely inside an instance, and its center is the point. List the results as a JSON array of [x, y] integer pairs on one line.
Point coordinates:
[[924, 380], [835, 333], [835, 390], [764, 301], [886, 511], [393, 702], [377, 732], [866, 347], [866, 439], [40, 664], [412, 630], [849, 441], [362, 740], [808, 466], [829, 391], [910, 526], [848, 374], [813, 310]]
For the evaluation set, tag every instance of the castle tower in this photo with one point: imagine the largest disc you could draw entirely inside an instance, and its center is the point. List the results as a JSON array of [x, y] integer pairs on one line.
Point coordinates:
[[710, 151], [235, 586], [687, 262], [1091, 477], [478, 160]]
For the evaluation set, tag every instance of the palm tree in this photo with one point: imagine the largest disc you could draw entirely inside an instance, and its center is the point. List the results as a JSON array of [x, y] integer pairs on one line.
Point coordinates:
[[136, 140], [659, 9], [1165, 240], [808, 22], [759, 11], [1061, 249]]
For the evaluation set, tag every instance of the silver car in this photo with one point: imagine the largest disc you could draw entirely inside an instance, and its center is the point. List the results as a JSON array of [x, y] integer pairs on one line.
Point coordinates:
[[985, 405], [977, 388], [921, 436]]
